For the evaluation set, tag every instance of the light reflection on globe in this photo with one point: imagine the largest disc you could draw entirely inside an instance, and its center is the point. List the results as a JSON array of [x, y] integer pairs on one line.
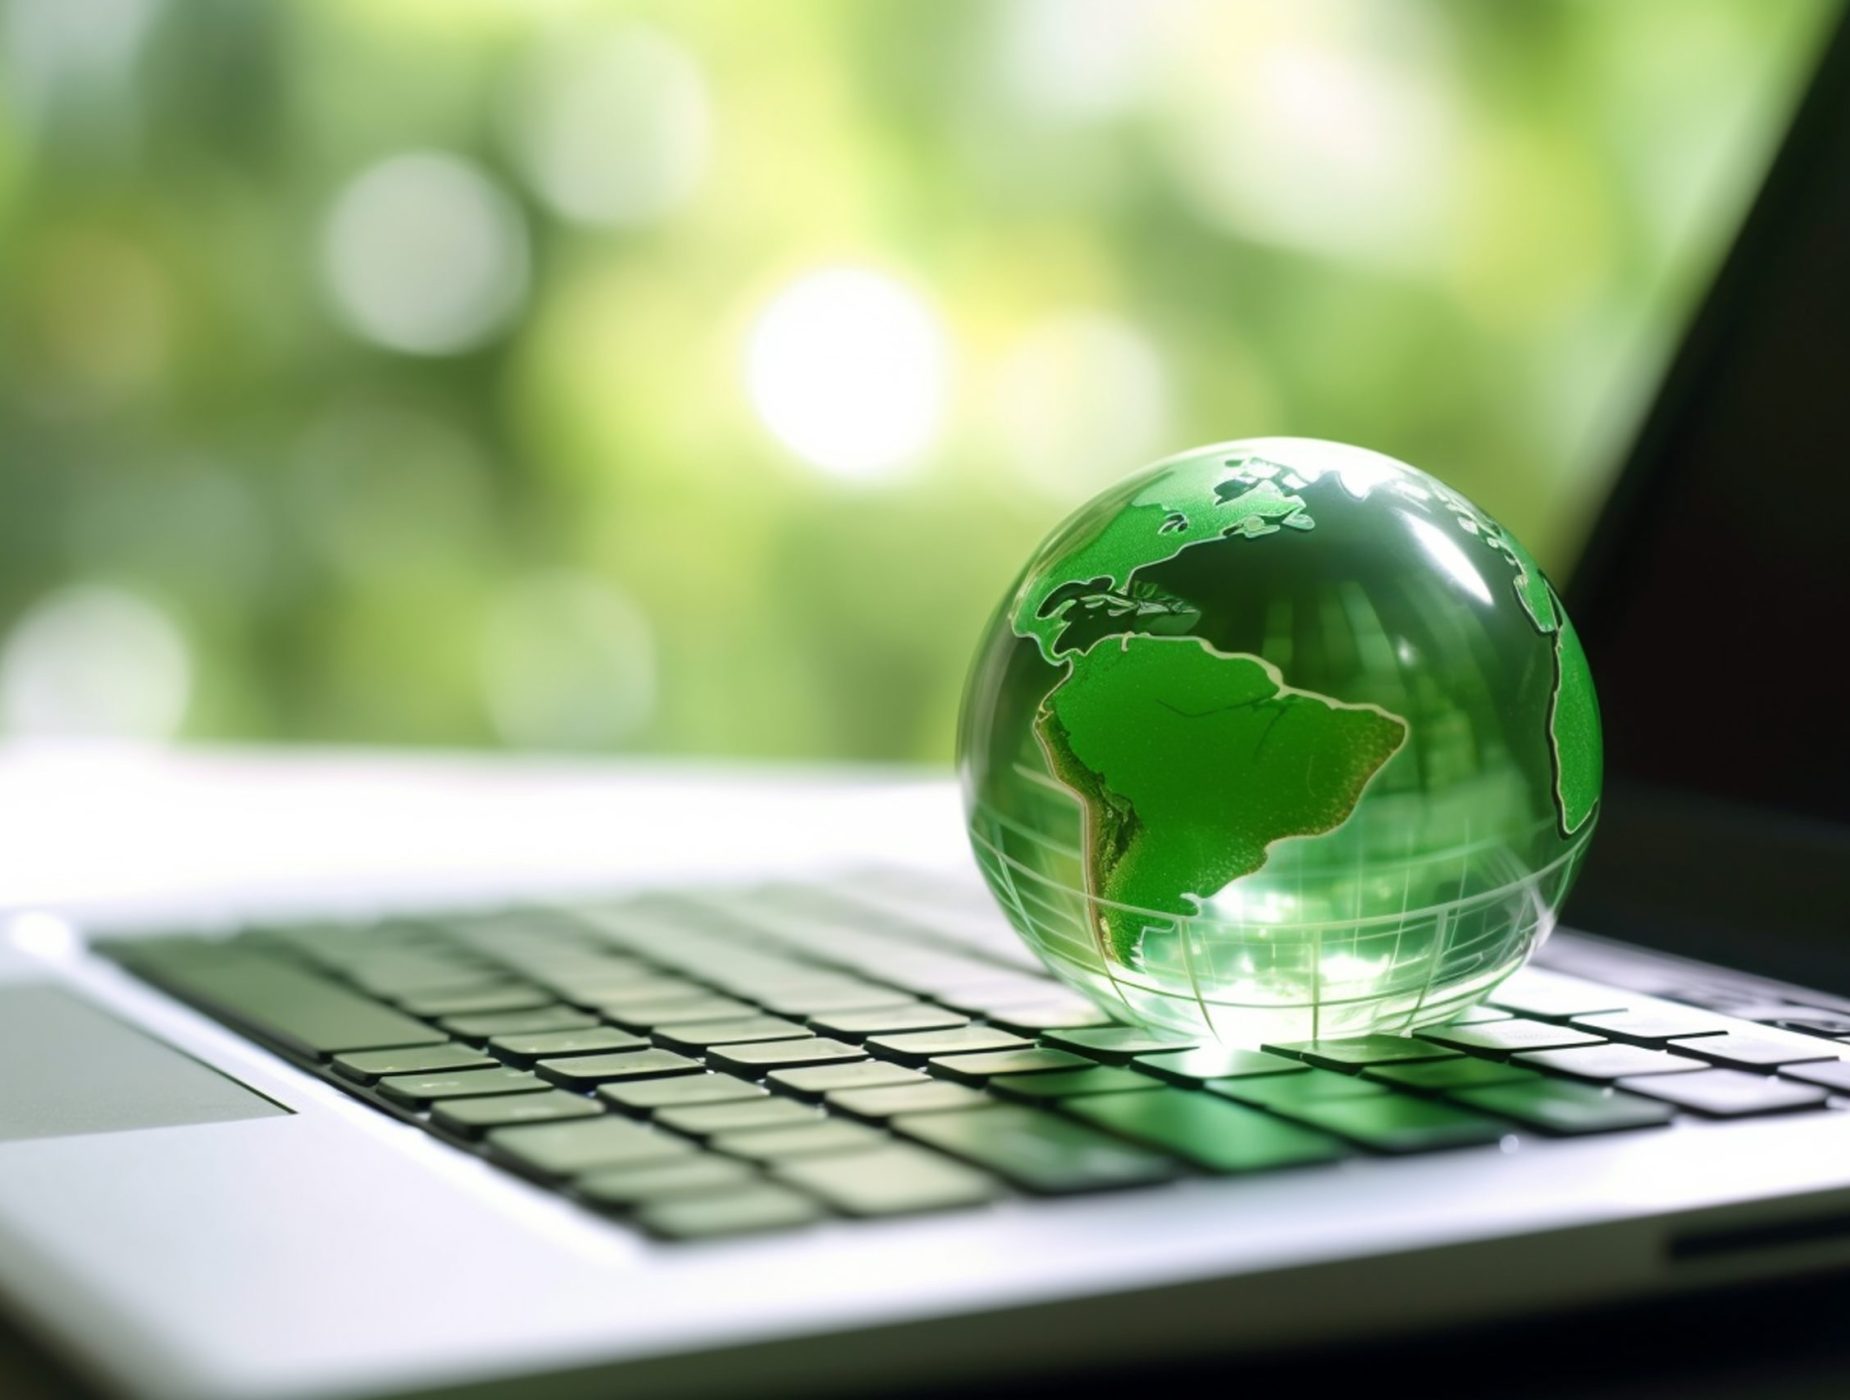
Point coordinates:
[[1281, 740]]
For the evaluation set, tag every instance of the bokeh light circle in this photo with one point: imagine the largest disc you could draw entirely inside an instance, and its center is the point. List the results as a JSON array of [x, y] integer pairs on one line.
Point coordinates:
[[613, 128], [848, 367], [423, 253], [94, 661]]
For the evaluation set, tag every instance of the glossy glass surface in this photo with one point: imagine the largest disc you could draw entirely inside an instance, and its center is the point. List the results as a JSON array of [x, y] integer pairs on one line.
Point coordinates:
[[1281, 739]]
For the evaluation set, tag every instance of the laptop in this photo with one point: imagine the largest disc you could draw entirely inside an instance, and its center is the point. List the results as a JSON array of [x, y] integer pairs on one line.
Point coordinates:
[[817, 1120]]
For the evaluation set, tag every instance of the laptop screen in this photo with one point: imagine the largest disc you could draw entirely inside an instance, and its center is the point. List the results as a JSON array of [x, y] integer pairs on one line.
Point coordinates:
[[1714, 597]]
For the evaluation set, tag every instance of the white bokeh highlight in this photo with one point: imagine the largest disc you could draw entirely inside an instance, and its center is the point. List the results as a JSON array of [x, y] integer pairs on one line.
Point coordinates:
[[848, 368], [614, 127], [1329, 126], [1080, 60], [94, 661], [423, 253]]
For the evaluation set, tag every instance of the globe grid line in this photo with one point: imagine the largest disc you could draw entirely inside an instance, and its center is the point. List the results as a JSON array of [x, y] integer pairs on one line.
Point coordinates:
[[1442, 855], [1439, 932], [1467, 955], [1194, 982], [1055, 936], [1469, 960], [1163, 916], [1292, 929]]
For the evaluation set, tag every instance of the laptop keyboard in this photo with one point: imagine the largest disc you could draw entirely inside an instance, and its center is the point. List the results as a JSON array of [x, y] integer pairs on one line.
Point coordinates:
[[715, 1064]]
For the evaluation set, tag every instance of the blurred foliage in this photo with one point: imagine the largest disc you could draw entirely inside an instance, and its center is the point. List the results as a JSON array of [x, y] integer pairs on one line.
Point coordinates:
[[382, 371]]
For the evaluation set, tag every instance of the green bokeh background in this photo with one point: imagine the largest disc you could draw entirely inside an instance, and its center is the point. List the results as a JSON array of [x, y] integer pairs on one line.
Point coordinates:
[[1464, 234]]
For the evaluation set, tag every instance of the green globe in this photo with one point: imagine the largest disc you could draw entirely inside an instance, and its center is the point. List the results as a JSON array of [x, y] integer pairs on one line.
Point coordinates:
[[1281, 740]]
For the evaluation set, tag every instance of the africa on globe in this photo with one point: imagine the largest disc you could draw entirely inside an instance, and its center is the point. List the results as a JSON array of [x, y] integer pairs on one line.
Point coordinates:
[[1281, 740]]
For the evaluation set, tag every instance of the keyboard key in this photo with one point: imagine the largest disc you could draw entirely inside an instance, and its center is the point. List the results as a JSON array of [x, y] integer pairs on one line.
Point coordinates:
[[698, 1035], [1362, 1050], [1714, 996], [889, 1020], [592, 994], [1535, 992], [1727, 1093], [392, 977], [954, 980], [1822, 1023], [892, 1180], [1828, 1074], [1649, 1026], [568, 1149], [1475, 1016], [917, 1047], [1211, 1133], [1099, 1079], [523, 1048], [1285, 1092], [471, 1116], [486, 1025], [812, 1001], [1568, 1109], [975, 1069], [643, 994], [416, 1090], [579, 972], [710, 1215], [791, 981], [1392, 1123], [366, 1066], [929, 1097], [1743, 1050], [1118, 1044], [1605, 1063], [1038, 1017], [758, 1057], [1198, 1066], [822, 1138], [678, 1091], [997, 989], [1035, 1150], [509, 996], [281, 1003], [651, 1015], [867, 1074], [1808, 1020], [1462, 1073], [1508, 1037], [704, 1120], [625, 1188], [587, 1071], [1778, 1012]]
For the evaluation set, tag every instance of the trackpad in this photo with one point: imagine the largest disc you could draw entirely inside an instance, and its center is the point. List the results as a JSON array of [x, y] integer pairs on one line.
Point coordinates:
[[67, 1067]]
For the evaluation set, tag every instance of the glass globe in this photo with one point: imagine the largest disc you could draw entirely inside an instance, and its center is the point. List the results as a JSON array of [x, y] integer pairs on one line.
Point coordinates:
[[1281, 740]]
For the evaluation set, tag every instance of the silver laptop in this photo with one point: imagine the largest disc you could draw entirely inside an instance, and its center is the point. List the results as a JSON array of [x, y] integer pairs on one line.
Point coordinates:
[[808, 1120]]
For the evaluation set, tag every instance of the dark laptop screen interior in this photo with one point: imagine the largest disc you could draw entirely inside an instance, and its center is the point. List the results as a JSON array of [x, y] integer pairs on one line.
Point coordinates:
[[1713, 600]]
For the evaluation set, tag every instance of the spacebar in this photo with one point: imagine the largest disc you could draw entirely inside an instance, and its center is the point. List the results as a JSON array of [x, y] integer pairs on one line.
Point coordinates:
[[281, 1003]]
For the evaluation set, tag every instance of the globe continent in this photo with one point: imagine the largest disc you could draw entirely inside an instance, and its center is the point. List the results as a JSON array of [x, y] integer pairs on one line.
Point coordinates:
[[1281, 738]]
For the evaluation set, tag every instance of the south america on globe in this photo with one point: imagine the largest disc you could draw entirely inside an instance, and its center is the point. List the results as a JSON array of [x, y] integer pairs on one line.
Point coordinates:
[[1281, 739]]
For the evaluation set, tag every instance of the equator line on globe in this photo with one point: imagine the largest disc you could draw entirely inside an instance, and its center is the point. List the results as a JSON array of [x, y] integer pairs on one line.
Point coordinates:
[[1281, 739]]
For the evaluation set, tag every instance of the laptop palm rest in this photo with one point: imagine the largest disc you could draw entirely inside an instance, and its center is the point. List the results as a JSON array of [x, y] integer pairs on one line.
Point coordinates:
[[69, 1068]]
